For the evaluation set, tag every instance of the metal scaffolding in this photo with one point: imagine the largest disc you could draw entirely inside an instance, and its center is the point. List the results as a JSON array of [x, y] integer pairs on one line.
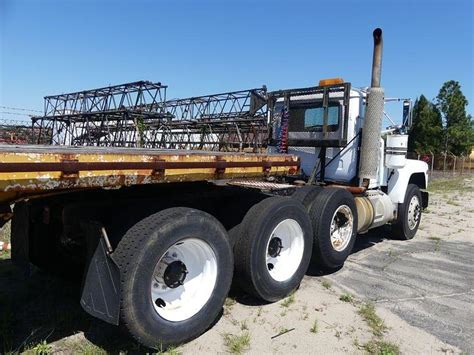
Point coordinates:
[[138, 115], [15, 132]]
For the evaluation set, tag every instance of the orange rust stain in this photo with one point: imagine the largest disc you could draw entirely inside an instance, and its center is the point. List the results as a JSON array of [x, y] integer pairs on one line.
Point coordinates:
[[16, 184]]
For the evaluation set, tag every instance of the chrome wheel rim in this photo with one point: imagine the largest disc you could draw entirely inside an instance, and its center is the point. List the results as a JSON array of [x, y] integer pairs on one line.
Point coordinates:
[[414, 212], [342, 225], [184, 279]]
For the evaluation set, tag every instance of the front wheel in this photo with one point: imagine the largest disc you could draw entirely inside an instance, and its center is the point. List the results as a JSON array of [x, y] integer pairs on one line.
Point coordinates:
[[409, 214], [176, 270]]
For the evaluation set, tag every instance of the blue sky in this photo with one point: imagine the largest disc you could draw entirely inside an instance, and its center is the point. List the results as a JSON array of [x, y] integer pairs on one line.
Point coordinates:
[[198, 47]]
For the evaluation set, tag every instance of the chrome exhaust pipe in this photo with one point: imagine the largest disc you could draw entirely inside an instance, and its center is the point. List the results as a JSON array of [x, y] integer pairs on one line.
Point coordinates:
[[377, 58]]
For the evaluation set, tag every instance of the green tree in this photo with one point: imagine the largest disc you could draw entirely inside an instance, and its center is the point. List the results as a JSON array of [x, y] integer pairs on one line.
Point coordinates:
[[426, 132], [459, 135]]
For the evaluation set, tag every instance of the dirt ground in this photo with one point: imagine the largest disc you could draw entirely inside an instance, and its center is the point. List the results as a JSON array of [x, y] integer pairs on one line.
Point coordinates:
[[413, 297]]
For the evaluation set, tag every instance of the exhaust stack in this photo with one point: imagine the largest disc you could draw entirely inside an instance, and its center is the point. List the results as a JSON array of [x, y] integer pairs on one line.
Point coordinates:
[[370, 146]]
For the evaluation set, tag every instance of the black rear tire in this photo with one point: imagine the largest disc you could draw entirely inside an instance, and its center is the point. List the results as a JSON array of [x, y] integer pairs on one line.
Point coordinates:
[[251, 251], [307, 195], [322, 211], [402, 229], [137, 255]]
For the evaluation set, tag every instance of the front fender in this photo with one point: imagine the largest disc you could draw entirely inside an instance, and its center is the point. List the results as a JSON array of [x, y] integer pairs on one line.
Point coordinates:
[[398, 183]]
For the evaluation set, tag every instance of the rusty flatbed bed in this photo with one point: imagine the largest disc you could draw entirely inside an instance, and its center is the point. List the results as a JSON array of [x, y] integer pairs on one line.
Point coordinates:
[[29, 170]]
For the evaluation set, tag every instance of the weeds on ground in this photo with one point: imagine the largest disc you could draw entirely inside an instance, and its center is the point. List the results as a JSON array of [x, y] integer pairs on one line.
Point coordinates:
[[449, 185], [287, 302], [381, 347], [228, 304], [437, 241], [452, 202], [87, 348], [5, 254], [160, 350], [314, 327], [5, 233], [326, 284], [236, 344], [346, 297], [243, 325], [42, 348], [376, 324]]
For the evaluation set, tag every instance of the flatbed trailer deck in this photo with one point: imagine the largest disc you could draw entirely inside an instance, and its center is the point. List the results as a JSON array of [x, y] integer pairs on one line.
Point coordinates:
[[30, 170]]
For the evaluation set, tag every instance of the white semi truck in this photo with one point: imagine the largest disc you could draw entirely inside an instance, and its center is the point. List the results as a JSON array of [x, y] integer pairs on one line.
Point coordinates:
[[160, 234]]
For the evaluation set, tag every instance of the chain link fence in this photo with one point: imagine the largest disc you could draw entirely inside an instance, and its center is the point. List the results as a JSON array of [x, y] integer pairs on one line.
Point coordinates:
[[445, 165]]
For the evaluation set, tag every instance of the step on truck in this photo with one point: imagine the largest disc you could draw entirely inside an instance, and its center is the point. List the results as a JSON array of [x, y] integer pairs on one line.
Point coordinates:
[[162, 204]]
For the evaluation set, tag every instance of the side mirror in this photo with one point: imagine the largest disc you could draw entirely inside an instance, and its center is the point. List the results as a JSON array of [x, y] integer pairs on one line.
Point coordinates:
[[407, 113]]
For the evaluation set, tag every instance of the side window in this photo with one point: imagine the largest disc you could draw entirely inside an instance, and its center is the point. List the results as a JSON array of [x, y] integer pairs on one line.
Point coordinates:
[[313, 117]]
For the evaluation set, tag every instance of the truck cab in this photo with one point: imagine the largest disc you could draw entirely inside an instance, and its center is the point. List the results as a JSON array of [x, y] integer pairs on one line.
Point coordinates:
[[323, 127]]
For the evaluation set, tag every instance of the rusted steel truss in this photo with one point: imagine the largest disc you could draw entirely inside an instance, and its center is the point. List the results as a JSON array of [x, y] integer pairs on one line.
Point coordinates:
[[138, 115], [15, 132]]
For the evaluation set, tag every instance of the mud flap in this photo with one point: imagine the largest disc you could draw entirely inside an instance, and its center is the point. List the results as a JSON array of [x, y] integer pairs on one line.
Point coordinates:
[[424, 199], [101, 285]]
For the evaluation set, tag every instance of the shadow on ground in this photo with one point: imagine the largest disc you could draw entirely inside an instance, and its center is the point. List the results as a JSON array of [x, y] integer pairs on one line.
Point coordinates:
[[38, 306], [363, 241]]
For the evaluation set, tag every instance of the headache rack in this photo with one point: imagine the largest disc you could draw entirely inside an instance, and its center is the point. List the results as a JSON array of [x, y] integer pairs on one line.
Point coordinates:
[[322, 97], [138, 115]]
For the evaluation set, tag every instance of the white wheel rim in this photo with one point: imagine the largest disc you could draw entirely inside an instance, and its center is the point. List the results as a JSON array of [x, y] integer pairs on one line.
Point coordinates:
[[180, 300], [414, 212], [342, 225], [284, 250]]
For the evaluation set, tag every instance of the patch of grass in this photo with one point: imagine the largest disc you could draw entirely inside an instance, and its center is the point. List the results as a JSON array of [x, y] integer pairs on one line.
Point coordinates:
[[243, 325], [437, 241], [236, 344], [283, 330], [314, 328], [5, 233], [326, 284], [452, 202], [376, 324], [160, 350], [449, 185], [287, 302], [229, 302], [42, 348], [381, 347], [5, 254], [346, 297], [87, 348]]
